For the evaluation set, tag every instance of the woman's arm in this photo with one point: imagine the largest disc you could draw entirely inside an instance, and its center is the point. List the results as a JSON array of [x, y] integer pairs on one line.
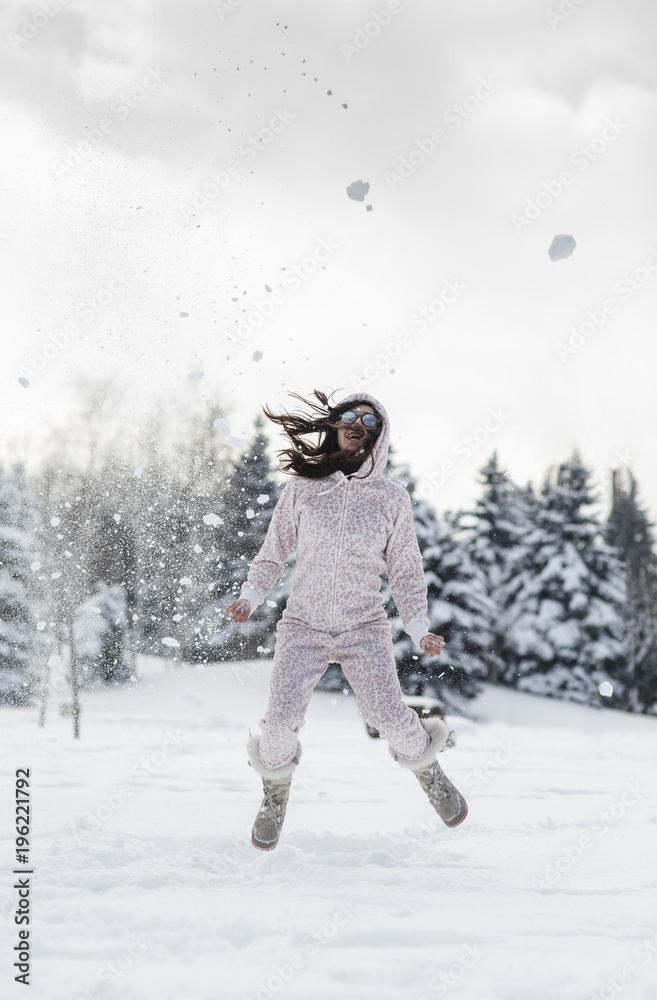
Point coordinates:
[[403, 561], [267, 567]]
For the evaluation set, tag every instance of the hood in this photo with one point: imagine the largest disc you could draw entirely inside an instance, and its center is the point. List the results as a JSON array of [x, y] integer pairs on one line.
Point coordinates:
[[379, 456]]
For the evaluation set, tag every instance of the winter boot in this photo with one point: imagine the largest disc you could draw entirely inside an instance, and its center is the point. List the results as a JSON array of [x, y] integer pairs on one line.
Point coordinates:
[[276, 782], [443, 796]]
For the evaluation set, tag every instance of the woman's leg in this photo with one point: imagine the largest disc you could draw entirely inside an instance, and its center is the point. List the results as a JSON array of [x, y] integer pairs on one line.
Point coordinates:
[[301, 657], [368, 661]]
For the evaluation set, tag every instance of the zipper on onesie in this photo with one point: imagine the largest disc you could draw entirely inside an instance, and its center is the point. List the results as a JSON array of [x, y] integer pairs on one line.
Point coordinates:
[[337, 557]]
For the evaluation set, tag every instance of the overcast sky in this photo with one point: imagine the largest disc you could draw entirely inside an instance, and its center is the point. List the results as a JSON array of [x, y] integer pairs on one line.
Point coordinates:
[[168, 165]]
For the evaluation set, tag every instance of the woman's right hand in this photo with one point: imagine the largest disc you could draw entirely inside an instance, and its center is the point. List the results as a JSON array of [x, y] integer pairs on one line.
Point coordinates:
[[239, 610]]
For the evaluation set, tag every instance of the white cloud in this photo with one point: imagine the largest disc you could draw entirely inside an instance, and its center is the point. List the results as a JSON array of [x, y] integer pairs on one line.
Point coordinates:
[[452, 217]]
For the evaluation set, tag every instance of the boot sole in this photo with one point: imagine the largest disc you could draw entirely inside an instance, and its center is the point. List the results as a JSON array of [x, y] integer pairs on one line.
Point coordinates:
[[452, 825], [260, 846]]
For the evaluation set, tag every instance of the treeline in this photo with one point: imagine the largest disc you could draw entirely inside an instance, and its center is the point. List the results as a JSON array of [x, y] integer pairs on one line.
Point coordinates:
[[531, 590], [118, 547]]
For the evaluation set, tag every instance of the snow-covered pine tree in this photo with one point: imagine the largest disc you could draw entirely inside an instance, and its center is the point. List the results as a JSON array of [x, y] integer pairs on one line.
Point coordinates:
[[102, 640], [163, 543], [497, 524], [24, 612], [458, 609], [250, 497], [562, 596], [177, 483], [630, 533], [89, 531], [68, 499], [176, 486], [192, 613], [113, 559], [114, 555]]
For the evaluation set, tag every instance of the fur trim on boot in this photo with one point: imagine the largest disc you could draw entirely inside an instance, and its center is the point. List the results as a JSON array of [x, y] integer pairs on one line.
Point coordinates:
[[281, 773], [440, 740]]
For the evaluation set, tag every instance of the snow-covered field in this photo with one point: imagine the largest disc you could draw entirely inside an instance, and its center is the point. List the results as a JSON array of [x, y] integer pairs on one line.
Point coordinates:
[[146, 885]]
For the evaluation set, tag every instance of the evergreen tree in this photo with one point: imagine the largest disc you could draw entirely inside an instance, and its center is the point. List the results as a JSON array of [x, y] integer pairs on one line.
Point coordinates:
[[139, 522], [174, 503], [68, 499], [24, 615], [163, 542], [457, 608], [500, 521], [630, 532], [562, 595], [114, 555], [102, 642], [250, 497]]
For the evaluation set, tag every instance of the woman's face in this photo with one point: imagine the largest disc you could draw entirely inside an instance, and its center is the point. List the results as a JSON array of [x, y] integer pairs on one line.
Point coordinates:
[[351, 437]]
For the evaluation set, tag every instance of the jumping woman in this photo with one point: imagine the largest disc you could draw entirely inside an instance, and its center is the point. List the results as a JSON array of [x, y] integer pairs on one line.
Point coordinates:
[[349, 525]]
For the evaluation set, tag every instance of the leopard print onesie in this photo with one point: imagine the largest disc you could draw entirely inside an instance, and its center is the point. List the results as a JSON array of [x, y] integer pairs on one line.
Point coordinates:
[[347, 530]]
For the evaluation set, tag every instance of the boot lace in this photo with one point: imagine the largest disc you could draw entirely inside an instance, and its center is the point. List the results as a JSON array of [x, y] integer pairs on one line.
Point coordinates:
[[441, 786], [271, 808]]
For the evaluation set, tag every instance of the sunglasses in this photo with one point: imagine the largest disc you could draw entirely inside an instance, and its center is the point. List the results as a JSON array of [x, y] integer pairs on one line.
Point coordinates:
[[367, 419]]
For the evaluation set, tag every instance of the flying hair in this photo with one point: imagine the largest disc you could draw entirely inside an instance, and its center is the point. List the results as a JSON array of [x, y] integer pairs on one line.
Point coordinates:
[[316, 461]]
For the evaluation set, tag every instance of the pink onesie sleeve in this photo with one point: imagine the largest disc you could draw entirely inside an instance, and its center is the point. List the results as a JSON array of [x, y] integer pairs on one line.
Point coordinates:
[[406, 574], [281, 538]]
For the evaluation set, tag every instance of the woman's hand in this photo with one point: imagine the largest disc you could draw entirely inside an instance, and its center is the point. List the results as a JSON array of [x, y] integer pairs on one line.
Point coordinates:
[[432, 644], [239, 610]]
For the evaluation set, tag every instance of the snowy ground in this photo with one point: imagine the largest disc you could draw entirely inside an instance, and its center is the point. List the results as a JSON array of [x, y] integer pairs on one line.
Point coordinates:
[[145, 884]]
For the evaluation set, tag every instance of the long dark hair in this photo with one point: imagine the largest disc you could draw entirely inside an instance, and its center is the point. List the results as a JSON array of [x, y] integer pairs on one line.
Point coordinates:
[[317, 461]]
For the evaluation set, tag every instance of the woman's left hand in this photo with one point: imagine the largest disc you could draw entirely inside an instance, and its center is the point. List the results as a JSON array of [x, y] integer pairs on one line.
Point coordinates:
[[432, 644]]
